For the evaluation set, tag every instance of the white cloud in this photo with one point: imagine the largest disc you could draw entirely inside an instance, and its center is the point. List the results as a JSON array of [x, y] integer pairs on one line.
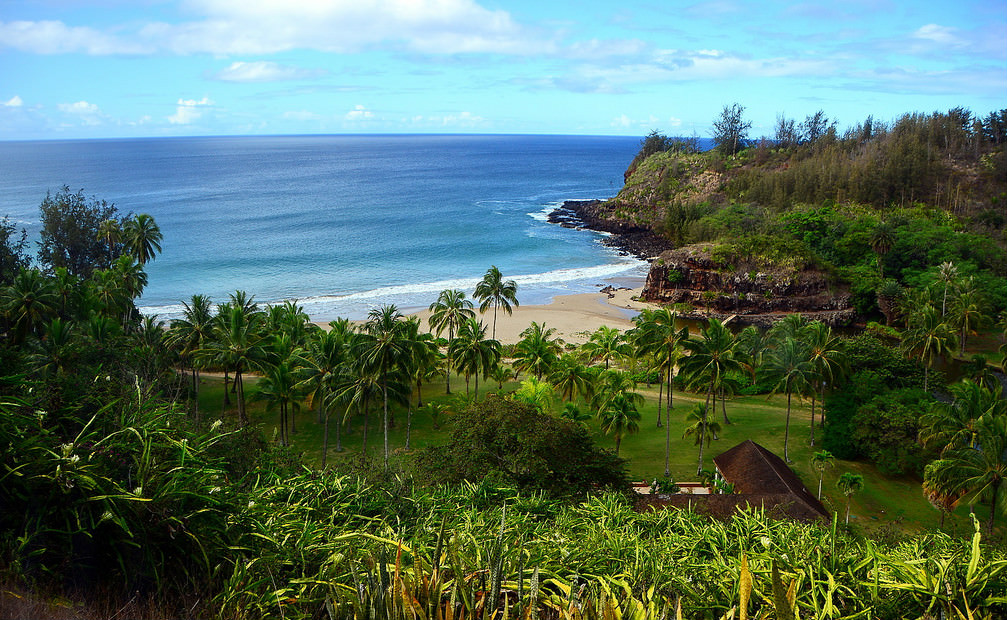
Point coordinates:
[[269, 26], [464, 119], [941, 35], [81, 107], [13, 102], [55, 37], [359, 113], [188, 111], [262, 71], [87, 113]]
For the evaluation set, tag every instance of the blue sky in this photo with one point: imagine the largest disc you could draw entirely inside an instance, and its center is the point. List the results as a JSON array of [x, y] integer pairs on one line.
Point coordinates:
[[119, 68]]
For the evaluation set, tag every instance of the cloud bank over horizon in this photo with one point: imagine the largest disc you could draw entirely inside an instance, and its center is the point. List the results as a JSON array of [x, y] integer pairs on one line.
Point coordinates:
[[208, 67]]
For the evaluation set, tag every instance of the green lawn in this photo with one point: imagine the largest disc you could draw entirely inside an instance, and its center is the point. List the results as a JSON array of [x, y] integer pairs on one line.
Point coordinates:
[[885, 502]]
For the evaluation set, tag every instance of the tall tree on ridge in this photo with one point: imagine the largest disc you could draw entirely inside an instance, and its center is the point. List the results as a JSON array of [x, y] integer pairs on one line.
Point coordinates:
[[493, 291], [730, 129]]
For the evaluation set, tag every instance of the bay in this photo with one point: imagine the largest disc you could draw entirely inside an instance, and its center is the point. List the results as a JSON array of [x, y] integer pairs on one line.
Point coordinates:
[[341, 223]]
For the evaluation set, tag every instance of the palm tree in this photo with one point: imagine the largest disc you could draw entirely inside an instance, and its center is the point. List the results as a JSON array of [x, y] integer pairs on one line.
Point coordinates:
[[142, 238], [619, 417], [790, 366], [237, 345], [190, 333], [420, 363], [656, 334], [711, 358], [110, 232], [849, 483], [954, 426], [702, 427], [819, 462], [606, 344], [27, 304], [383, 350], [976, 472], [473, 353], [494, 291], [279, 389], [967, 312], [929, 337], [537, 351], [882, 241], [320, 365], [449, 311], [570, 377], [58, 347], [890, 294], [539, 394], [828, 362], [946, 274], [612, 384]]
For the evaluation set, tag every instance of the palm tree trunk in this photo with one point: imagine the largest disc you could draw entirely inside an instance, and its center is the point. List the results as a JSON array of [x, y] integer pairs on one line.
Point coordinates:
[[227, 381], [847, 510], [660, 401], [240, 385], [447, 373], [670, 378], [409, 425], [820, 478], [786, 432], [813, 395], [702, 439], [363, 441], [325, 441], [723, 405], [667, 445], [993, 507], [384, 392]]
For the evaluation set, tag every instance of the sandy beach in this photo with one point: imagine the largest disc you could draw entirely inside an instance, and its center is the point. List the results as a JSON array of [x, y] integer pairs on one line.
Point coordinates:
[[573, 317]]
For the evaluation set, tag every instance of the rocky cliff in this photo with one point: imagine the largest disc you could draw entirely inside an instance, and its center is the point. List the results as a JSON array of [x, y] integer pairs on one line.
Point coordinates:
[[757, 294]]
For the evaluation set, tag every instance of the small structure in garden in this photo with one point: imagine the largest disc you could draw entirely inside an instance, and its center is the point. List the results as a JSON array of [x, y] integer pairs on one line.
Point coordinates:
[[760, 479]]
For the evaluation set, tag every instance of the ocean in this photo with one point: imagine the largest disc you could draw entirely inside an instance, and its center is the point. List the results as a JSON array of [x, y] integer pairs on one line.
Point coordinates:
[[342, 224]]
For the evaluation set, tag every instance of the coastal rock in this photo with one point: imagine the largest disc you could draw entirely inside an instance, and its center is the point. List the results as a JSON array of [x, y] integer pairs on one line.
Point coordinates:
[[631, 238], [756, 294]]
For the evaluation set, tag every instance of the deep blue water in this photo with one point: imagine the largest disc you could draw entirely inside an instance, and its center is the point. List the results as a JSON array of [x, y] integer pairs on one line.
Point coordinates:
[[341, 223]]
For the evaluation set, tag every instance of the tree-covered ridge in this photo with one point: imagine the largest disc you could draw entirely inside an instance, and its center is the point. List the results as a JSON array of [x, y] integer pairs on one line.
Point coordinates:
[[874, 203]]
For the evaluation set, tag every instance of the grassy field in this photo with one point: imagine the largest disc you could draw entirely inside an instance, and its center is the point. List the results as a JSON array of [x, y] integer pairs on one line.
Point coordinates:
[[885, 504]]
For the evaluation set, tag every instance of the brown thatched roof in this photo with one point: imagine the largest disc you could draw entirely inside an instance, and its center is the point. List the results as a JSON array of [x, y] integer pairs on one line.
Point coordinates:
[[754, 470], [761, 480]]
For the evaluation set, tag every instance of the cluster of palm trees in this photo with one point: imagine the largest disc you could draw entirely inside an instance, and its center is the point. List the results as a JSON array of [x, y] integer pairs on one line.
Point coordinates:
[[59, 317], [940, 318], [970, 436]]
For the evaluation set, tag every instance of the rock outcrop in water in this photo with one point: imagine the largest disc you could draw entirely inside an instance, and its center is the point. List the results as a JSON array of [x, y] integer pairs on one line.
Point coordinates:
[[636, 239]]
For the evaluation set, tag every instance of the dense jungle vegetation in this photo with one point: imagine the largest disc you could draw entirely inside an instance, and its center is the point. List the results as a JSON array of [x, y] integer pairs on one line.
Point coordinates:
[[356, 478]]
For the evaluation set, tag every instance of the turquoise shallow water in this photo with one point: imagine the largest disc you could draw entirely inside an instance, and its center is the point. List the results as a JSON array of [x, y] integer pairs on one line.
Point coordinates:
[[341, 223]]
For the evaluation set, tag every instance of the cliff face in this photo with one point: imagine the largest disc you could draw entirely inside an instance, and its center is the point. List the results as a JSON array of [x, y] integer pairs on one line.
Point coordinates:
[[756, 293]]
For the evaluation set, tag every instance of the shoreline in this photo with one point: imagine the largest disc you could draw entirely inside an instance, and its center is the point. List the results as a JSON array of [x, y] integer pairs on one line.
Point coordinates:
[[574, 317]]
